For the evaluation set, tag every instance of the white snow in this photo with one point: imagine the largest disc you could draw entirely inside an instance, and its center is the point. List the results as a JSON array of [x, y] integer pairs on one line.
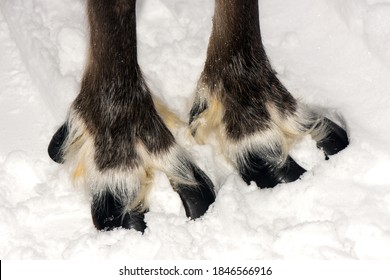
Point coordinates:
[[329, 53]]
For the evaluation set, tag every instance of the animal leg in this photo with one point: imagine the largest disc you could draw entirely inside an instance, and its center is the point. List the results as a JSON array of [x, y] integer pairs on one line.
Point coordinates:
[[240, 101], [114, 138]]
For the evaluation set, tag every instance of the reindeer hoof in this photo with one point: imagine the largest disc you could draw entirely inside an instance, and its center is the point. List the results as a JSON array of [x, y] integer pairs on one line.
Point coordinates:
[[55, 147], [197, 198], [109, 212], [335, 141], [134, 220], [266, 175]]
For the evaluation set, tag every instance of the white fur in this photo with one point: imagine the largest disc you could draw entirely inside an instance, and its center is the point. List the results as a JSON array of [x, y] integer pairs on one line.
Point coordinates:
[[80, 150], [124, 182], [272, 144]]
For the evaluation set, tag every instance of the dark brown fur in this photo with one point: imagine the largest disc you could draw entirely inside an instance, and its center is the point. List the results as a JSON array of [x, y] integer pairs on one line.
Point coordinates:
[[237, 62], [114, 100], [115, 138], [240, 100]]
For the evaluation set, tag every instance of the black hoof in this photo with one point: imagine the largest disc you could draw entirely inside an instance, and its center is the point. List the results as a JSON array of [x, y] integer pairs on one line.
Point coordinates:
[[266, 175], [109, 212], [55, 147], [335, 141], [197, 198], [134, 220]]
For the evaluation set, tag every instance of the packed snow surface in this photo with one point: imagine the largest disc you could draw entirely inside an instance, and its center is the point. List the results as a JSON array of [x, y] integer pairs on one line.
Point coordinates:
[[329, 53]]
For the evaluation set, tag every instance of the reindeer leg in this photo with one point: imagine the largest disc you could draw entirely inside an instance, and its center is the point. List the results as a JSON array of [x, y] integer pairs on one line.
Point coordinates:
[[240, 100], [114, 137]]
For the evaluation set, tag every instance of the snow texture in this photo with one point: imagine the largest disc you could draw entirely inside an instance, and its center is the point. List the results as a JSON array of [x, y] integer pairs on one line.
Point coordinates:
[[329, 53]]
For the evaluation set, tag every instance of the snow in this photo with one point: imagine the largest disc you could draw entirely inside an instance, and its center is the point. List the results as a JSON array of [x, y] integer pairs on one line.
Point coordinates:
[[329, 53]]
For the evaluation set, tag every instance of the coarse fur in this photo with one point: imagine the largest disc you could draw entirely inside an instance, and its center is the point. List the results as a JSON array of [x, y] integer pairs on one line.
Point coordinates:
[[117, 135], [239, 98]]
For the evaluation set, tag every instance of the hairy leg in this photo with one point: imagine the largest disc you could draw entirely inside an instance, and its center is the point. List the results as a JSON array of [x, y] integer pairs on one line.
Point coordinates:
[[114, 137], [240, 101]]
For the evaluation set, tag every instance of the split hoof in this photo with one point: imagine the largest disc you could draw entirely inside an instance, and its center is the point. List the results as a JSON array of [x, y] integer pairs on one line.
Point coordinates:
[[266, 175], [109, 212]]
